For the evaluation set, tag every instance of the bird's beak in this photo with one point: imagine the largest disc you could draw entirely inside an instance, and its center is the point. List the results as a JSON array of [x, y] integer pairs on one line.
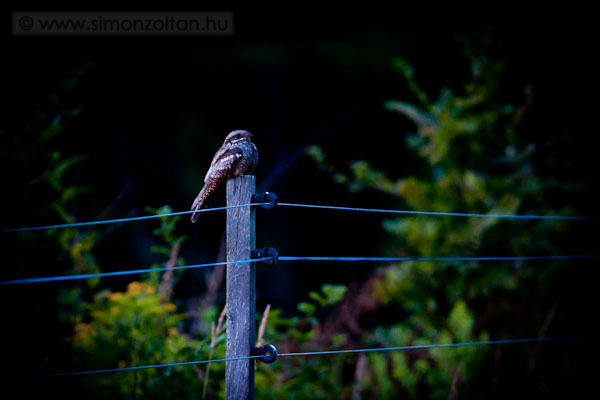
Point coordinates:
[[250, 135]]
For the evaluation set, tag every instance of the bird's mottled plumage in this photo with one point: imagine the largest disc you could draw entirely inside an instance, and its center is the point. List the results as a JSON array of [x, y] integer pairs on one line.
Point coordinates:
[[238, 156]]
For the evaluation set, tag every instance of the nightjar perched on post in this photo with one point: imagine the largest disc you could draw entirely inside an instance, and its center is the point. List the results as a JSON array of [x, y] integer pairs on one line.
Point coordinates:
[[238, 156]]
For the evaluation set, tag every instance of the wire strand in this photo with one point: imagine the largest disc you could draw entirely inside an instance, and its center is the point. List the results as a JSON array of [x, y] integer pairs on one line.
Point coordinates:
[[112, 221], [117, 220], [524, 258], [453, 214], [429, 346], [289, 258], [127, 272], [101, 371], [317, 353]]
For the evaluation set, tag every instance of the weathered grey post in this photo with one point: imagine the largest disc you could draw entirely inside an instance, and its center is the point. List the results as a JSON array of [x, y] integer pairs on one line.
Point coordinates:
[[241, 295]]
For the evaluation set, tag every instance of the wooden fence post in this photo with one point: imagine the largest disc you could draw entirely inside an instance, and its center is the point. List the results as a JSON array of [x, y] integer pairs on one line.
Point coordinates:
[[241, 294]]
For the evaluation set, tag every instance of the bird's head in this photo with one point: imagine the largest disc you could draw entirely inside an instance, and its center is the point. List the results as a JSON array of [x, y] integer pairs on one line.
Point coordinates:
[[238, 136]]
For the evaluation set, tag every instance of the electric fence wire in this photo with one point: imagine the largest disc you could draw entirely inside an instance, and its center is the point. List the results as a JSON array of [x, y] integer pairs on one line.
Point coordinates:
[[101, 371], [290, 258], [509, 258], [320, 353], [119, 220], [429, 346], [373, 210], [125, 272], [452, 214]]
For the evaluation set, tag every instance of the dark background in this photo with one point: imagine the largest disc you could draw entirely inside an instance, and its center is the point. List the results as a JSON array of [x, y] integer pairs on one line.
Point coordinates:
[[155, 109]]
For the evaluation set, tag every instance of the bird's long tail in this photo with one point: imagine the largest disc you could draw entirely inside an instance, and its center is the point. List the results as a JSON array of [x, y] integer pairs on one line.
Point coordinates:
[[198, 203]]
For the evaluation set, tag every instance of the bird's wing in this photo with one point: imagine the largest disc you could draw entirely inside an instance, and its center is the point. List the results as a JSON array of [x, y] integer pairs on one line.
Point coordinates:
[[223, 163]]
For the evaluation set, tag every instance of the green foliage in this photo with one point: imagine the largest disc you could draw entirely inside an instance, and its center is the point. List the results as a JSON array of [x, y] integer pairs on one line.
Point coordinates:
[[110, 329], [172, 242], [331, 295], [166, 230], [472, 161], [138, 328], [40, 179], [304, 377], [141, 327]]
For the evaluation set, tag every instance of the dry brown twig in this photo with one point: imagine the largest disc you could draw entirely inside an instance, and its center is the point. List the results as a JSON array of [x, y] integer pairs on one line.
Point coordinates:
[[261, 329], [166, 288], [215, 331], [455, 377], [263, 326], [542, 333], [359, 372]]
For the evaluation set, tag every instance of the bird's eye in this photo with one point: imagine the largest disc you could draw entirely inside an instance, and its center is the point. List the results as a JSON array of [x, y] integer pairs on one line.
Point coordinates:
[[238, 136]]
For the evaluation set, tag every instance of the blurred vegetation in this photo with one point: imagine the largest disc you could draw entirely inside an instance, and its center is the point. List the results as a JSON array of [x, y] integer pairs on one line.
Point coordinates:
[[141, 327], [472, 159]]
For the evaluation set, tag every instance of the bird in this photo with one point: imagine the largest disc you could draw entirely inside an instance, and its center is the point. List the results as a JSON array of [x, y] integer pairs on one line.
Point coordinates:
[[237, 156]]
